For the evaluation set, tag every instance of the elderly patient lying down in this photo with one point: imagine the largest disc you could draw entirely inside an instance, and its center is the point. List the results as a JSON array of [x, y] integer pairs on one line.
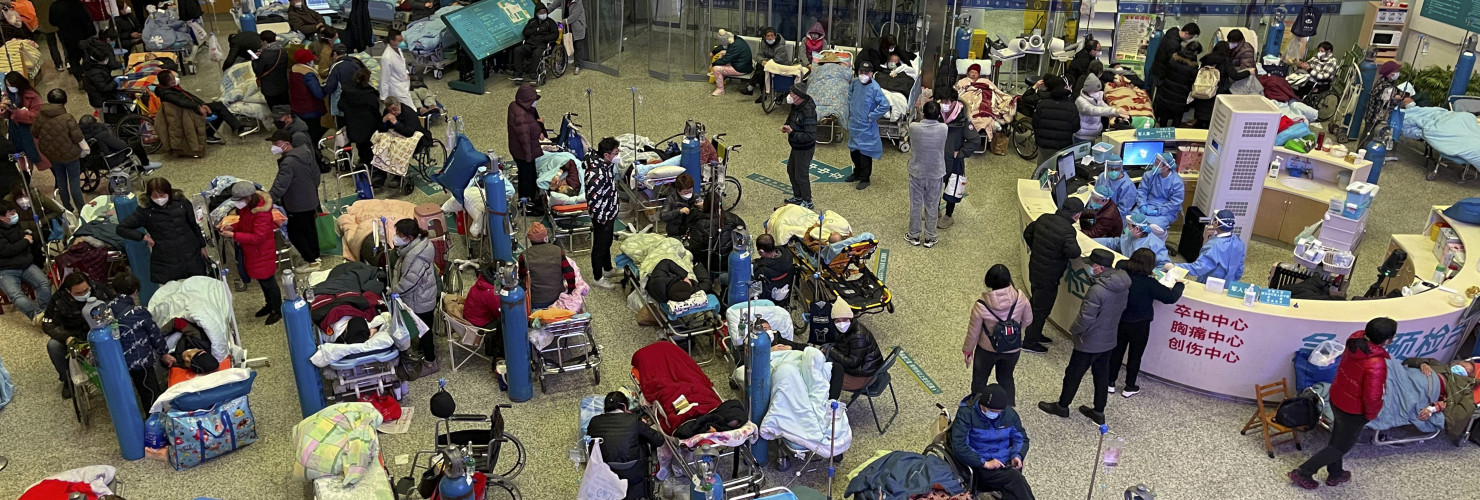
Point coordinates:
[[1414, 394], [671, 282]]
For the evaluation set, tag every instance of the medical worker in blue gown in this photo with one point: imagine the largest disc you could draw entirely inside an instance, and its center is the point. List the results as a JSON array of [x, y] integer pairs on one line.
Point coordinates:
[[1222, 256], [1123, 190], [1139, 233], [1162, 192], [866, 105]]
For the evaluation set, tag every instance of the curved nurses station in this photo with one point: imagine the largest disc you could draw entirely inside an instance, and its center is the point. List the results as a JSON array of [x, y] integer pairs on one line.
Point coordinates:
[[1216, 342]]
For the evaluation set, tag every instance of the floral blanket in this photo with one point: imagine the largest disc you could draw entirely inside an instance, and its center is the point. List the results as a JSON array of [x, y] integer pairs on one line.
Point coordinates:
[[828, 86], [1123, 95], [989, 105]]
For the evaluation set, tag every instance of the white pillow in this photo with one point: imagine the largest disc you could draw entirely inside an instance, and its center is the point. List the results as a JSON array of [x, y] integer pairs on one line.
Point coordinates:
[[665, 172]]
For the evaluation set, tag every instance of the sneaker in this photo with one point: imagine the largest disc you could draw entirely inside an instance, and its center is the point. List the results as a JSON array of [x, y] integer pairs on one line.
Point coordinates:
[[1302, 481], [315, 265], [264, 311], [749, 89], [807, 204], [913, 241], [862, 185], [1034, 348], [274, 317], [759, 98], [1097, 416], [517, 78], [1129, 391], [944, 222], [930, 243], [717, 92], [152, 166], [1110, 389], [38, 319], [604, 283], [792, 201], [249, 131], [1337, 479], [429, 368], [576, 70], [215, 141], [1053, 408], [66, 390]]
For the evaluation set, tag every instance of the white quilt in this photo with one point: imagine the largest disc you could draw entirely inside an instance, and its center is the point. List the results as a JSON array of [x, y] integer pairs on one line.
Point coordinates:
[[201, 300], [777, 317], [800, 409]]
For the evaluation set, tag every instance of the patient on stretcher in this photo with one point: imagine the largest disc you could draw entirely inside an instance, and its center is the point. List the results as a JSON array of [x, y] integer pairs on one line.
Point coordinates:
[[671, 282]]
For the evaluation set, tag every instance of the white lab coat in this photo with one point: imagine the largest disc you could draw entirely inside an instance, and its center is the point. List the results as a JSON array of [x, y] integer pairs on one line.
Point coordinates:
[[395, 79]]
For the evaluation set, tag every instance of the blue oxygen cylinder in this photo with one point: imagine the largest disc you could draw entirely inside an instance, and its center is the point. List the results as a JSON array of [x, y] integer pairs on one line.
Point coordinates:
[[249, 22], [118, 388], [690, 159], [739, 285], [496, 198], [1151, 46], [455, 488], [759, 391], [516, 341], [1367, 69], [1274, 36], [137, 251], [963, 43], [298, 324], [1377, 154], [1464, 68]]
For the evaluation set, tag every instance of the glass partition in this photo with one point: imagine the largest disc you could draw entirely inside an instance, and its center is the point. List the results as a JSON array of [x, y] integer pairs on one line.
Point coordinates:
[[604, 35], [665, 40]]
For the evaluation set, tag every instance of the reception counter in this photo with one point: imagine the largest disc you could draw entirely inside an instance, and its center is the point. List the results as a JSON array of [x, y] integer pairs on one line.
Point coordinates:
[[1212, 343]]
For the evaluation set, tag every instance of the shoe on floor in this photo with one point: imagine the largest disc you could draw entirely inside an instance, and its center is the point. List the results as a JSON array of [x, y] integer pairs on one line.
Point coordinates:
[[1302, 481], [249, 131], [429, 368], [912, 241], [264, 311], [930, 243], [944, 222], [604, 283], [862, 185], [759, 98], [215, 141], [1053, 408], [152, 166], [807, 204], [66, 390], [315, 265], [576, 70], [274, 317], [718, 92], [792, 201], [851, 178], [1110, 389], [749, 89], [1129, 391], [39, 318], [1336, 480], [1097, 416], [1034, 347]]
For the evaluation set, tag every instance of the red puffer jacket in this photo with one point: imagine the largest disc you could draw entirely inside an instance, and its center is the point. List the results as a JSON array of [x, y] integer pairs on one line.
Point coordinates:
[[481, 308], [254, 231], [1360, 378]]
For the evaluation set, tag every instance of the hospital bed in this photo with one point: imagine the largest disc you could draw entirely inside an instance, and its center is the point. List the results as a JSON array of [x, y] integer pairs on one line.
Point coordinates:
[[828, 85], [691, 322], [430, 41], [371, 366], [206, 302], [1398, 405], [831, 269], [1451, 151], [895, 125], [568, 217], [673, 390], [564, 346]]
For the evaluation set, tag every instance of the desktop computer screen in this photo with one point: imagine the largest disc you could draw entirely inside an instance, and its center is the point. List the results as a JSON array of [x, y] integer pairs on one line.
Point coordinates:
[[1140, 154]]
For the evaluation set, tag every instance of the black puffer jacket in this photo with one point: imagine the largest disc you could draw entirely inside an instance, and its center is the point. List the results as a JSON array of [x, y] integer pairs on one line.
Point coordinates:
[[662, 277], [803, 122], [1051, 244], [177, 238], [857, 352], [272, 71], [1055, 120], [15, 251], [1079, 66], [64, 314], [360, 106], [97, 80], [624, 437], [1174, 85]]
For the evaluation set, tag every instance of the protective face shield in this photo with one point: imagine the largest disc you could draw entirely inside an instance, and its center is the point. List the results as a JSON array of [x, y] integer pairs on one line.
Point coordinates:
[[1155, 169]]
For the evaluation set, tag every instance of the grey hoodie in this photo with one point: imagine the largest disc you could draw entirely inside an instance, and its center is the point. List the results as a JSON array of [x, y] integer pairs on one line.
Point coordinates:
[[1099, 317], [928, 140]]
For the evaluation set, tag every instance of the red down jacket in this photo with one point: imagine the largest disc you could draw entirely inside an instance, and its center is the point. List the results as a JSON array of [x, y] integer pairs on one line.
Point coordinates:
[[254, 231], [1360, 378]]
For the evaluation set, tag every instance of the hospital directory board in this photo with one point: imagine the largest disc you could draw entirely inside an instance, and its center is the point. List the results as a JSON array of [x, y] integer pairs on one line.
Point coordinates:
[[489, 26], [1462, 14]]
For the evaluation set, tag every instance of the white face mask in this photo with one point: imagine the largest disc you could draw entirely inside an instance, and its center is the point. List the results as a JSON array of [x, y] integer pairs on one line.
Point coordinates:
[[791, 99], [842, 326], [399, 241], [771, 42], [23, 202], [82, 298], [12, 89], [297, 5], [239, 204], [891, 65], [161, 200], [277, 150], [865, 78], [1232, 45], [686, 195], [543, 16], [1097, 95]]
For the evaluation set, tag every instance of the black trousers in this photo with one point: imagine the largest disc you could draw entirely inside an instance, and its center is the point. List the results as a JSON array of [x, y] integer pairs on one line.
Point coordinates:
[[316, 128], [526, 57], [1345, 427], [225, 115], [1044, 296], [950, 209], [1005, 479], [304, 234], [427, 343], [1098, 364], [601, 247], [55, 46], [984, 362], [798, 170], [73, 53], [528, 178], [276, 101], [863, 165], [366, 152], [146, 386], [1132, 338], [272, 295]]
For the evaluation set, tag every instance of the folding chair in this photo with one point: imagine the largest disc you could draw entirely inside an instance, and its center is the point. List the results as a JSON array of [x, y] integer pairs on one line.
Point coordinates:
[[1263, 418], [875, 388]]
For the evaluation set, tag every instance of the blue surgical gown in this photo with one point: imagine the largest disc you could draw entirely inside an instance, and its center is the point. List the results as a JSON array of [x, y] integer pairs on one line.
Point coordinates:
[[1122, 190], [1128, 243], [866, 105], [1221, 257], [1161, 199]]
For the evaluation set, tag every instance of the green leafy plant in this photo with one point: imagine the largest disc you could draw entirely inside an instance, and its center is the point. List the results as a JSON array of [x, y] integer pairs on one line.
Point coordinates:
[[1431, 84]]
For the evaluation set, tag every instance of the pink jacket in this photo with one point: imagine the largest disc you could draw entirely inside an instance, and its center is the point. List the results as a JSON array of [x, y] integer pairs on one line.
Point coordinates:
[[1004, 302]]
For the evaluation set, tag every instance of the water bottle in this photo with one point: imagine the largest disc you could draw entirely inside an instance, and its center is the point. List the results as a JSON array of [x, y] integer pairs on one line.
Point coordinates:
[[154, 432]]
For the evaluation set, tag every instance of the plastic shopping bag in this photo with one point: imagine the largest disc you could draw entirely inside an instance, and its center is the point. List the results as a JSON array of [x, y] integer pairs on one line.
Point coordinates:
[[599, 482], [213, 47], [1326, 353]]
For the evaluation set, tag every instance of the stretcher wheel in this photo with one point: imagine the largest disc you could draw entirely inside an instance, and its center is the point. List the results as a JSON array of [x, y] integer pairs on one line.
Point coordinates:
[[1270, 453], [890, 307], [904, 146], [595, 376], [1297, 446], [544, 386], [1431, 175]]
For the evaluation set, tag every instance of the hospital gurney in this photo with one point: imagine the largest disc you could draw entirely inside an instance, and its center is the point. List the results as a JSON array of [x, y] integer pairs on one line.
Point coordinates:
[[568, 217], [1439, 156], [828, 86], [1384, 434], [895, 125], [835, 269], [372, 366], [699, 323]]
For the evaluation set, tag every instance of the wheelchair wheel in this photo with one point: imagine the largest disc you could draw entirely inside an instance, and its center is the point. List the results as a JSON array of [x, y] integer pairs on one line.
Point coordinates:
[[90, 180], [1022, 140], [137, 127], [768, 101], [511, 458], [732, 193], [558, 62], [1325, 104], [503, 490]]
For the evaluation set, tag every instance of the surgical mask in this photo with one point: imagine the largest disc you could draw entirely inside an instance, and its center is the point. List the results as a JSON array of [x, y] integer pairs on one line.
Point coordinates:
[[685, 195], [239, 204], [401, 45], [791, 99], [533, 104], [399, 241], [1155, 169], [277, 150], [81, 298], [842, 325], [12, 89], [892, 65], [13, 219], [161, 200], [865, 78], [1232, 45], [23, 202], [543, 16], [1458, 370], [1323, 54], [771, 42], [1114, 175], [1097, 95], [1094, 205], [297, 5], [992, 415]]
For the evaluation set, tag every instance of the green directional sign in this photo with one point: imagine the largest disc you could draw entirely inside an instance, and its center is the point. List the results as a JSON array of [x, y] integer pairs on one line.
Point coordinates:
[[822, 172], [914, 367], [783, 187], [883, 266], [1462, 14], [1156, 134]]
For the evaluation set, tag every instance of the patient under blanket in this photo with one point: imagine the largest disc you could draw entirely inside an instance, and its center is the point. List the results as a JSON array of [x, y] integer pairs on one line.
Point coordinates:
[[1452, 133], [794, 221], [800, 411], [1406, 393]]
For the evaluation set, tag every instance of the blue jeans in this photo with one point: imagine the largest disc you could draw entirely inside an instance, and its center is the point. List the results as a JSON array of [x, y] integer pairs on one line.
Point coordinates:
[[10, 285], [69, 174]]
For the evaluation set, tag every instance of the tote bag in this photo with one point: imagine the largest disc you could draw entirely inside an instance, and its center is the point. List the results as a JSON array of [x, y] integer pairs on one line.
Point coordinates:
[[197, 436], [1306, 20], [328, 235], [599, 482]]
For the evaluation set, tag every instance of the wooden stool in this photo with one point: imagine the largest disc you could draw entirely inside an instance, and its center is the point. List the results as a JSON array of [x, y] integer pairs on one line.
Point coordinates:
[[1263, 418]]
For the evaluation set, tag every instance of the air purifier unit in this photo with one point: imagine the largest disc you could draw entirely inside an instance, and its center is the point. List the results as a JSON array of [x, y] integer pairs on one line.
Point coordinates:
[[1240, 142]]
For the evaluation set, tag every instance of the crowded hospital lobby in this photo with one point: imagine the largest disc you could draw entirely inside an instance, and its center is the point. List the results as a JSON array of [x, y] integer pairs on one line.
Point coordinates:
[[739, 249]]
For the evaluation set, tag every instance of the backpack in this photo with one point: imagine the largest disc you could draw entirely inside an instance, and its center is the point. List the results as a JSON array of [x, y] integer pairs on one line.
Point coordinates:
[[1299, 412], [1008, 334], [1206, 84], [1306, 20]]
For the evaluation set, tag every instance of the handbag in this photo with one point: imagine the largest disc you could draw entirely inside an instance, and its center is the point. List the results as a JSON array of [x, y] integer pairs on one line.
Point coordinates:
[[197, 436], [1306, 21], [328, 233], [955, 187], [600, 482]]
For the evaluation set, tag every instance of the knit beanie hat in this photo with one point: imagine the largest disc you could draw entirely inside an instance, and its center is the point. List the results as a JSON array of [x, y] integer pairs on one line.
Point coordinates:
[[1092, 84], [537, 232], [726, 36], [841, 309], [303, 56]]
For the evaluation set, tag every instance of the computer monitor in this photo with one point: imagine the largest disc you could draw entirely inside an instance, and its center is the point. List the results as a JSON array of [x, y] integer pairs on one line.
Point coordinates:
[[1066, 164], [1140, 154]]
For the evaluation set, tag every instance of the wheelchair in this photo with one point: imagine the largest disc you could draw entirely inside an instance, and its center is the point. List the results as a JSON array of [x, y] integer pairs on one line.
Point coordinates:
[[1320, 96], [120, 168], [130, 121], [552, 61], [494, 452], [1020, 132]]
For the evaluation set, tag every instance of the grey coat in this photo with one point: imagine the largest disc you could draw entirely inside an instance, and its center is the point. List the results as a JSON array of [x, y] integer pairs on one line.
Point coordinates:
[[575, 20], [416, 277], [297, 182], [928, 146], [778, 52], [1099, 317]]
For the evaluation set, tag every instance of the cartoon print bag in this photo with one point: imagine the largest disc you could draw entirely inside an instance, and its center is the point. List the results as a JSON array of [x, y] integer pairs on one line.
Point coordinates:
[[197, 436]]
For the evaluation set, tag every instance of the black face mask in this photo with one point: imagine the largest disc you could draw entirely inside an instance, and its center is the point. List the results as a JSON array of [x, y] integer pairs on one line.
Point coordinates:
[[279, 124]]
